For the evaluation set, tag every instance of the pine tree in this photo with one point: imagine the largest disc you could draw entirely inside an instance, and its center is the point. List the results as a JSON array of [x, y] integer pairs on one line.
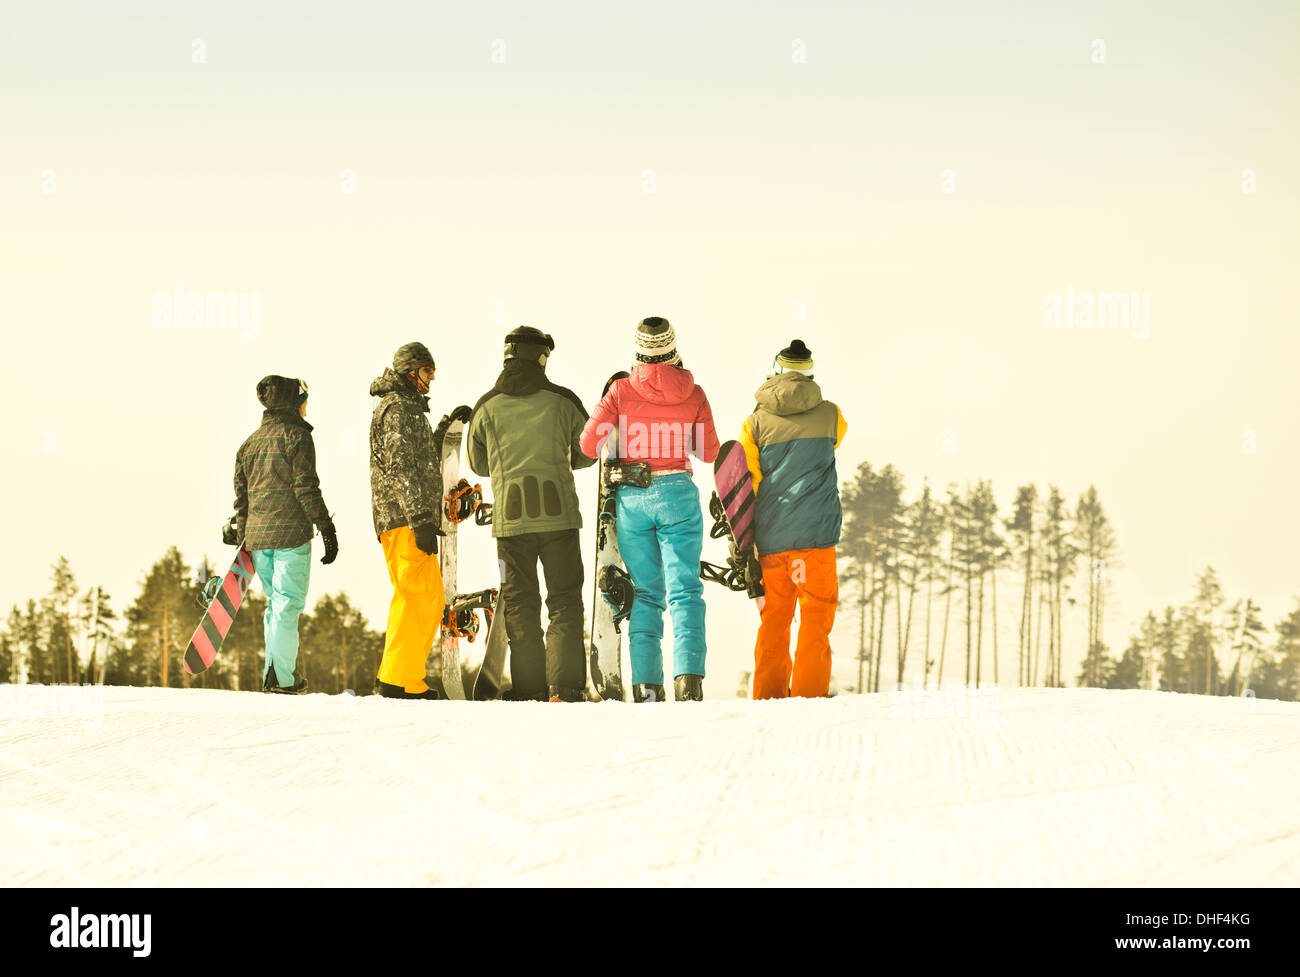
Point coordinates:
[[1129, 671], [158, 627], [1276, 672], [1095, 541], [96, 617], [1021, 529]]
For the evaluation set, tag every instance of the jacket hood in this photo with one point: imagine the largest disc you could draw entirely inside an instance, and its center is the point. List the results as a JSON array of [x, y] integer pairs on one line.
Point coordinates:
[[660, 383], [788, 393], [393, 382], [288, 415], [519, 378], [275, 392]]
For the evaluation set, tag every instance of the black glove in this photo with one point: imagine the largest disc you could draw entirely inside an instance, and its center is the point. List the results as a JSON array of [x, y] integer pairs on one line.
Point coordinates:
[[230, 531], [331, 540], [426, 537]]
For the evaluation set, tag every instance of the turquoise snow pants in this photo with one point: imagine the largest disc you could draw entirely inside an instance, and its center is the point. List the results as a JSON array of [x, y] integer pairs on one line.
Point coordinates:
[[284, 575], [660, 537]]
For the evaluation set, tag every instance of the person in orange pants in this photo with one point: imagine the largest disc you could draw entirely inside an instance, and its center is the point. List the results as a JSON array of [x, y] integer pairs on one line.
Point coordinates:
[[811, 578], [790, 443]]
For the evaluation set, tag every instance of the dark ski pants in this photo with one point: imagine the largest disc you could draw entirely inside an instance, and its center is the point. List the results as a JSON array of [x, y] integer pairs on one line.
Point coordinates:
[[560, 659]]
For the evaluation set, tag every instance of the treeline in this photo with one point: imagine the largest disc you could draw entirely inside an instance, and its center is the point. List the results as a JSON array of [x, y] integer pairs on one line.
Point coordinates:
[[77, 637], [924, 575], [1209, 646]]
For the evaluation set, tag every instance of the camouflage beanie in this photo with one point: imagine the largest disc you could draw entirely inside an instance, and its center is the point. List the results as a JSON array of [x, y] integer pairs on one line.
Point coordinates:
[[412, 356], [278, 393], [527, 343]]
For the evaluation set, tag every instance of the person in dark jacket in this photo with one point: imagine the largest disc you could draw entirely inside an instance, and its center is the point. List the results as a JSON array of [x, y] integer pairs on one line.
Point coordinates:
[[523, 434], [277, 502], [790, 443], [406, 502]]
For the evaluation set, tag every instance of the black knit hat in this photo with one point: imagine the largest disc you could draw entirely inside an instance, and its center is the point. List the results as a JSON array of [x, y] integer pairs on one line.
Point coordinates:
[[527, 343], [277, 393], [412, 356], [796, 356]]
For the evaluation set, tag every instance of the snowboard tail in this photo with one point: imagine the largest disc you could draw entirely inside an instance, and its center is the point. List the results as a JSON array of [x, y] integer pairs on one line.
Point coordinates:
[[732, 507], [220, 616], [612, 601]]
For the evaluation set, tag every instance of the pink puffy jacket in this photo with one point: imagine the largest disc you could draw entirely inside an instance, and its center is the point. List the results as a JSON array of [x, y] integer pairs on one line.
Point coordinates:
[[658, 415]]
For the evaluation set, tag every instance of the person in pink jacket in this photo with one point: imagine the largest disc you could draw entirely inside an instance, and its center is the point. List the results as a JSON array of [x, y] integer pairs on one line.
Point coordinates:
[[658, 415]]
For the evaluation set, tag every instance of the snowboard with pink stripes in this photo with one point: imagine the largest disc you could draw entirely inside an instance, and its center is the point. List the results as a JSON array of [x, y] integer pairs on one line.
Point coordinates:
[[214, 627], [735, 497]]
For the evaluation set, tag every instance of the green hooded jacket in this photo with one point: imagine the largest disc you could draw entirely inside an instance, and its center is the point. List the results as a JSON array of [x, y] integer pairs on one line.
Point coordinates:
[[524, 436]]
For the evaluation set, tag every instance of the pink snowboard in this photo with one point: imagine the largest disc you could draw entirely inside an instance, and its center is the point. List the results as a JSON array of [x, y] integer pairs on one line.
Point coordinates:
[[214, 627]]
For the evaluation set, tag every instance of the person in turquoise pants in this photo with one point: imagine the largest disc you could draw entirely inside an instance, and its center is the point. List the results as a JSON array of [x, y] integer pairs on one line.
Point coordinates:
[[285, 574], [277, 503], [664, 417], [660, 537]]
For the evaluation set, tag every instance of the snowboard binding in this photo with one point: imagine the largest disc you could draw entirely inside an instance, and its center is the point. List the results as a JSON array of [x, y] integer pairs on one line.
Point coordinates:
[[742, 572], [460, 617], [207, 592], [616, 587], [731, 577], [464, 501], [721, 527]]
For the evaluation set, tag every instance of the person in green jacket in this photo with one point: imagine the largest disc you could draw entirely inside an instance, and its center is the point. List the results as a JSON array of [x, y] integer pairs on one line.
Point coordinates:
[[524, 435]]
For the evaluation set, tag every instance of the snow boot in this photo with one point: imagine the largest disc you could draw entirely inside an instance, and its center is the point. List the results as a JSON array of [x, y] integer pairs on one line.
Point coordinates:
[[689, 688], [397, 692], [561, 693], [648, 693], [271, 683]]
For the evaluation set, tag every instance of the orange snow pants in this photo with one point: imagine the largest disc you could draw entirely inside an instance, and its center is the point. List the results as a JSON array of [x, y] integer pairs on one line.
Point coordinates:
[[415, 614], [810, 578]]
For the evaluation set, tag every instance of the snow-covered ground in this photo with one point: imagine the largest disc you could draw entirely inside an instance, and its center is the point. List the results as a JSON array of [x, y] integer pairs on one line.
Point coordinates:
[[1018, 787]]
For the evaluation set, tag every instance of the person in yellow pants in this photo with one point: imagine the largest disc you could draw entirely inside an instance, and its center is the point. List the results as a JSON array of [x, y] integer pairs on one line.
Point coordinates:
[[415, 613], [790, 442], [406, 495]]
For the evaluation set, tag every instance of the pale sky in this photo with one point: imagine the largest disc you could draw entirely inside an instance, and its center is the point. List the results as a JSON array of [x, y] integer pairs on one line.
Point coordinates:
[[916, 177]]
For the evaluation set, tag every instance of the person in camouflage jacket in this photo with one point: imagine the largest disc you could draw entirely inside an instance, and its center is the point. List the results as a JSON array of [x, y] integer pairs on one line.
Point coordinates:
[[406, 502], [277, 502]]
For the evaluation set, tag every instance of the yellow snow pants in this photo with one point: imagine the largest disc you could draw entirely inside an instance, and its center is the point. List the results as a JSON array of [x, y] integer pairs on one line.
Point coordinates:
[[415, 614]]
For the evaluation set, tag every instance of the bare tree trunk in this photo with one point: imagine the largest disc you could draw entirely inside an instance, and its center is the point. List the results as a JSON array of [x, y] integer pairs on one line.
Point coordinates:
[[929, 601], [880, 638], [979, 634], [969, 596], [993, 585], [1051, 635], [899, 652], [163, 670], [947, 604], [1060, 658], [907, 631], [1026, 611], [862, 622], [1038, 638]]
